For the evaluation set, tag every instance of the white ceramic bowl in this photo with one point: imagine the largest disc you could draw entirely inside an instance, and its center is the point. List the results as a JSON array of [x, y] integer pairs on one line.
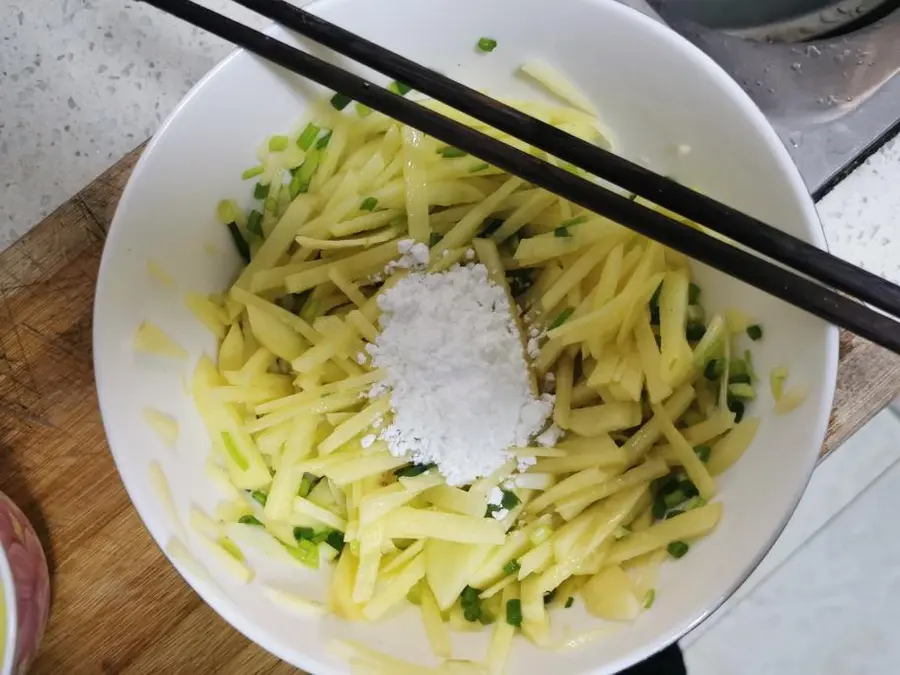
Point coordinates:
[[655, 92]]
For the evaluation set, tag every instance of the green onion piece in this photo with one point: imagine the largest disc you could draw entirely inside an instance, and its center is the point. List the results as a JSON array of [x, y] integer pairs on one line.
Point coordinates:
[[742, 391], [469, 595], [302, 177], [307, 136], [649, 597], [399, 88], [755, 332], [321, 536], [485, 619], [368, 204], [714, 369], [231, 447], [363, 110], [739, 379], [261, 191], [228, 211], [561, 319], [254, 223], [777, 378], [231, 548], [512, 567], [249, 520], [278, 143], [411, 470], [688, 488], [570, 601], [693, 293], [260, 497], [561, 232], [449, 152], [677, 549], [487, 44], [702, 452], [659, 507], [736, 406], [673, 499], [479, 167], [335, 540], [514, 613], [307, 484], [322, 143], [510, 500], [472, 612], [306, 552], [304, 533], [694, 332], [253, 172], [572, 222], [340, 101], [244, 251]]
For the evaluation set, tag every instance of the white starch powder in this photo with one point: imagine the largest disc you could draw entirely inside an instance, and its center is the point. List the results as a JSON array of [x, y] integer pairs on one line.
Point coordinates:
[[458, 379]]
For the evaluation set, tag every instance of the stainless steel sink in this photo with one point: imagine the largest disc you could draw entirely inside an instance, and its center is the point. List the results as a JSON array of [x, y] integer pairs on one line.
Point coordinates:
[[825, 72]]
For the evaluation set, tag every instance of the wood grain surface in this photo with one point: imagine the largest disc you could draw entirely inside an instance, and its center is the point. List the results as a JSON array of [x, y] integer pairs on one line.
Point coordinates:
[[118, 607]]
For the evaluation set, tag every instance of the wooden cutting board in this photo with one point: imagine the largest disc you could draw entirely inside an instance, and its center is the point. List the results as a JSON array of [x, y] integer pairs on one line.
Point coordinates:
[[118, 606]]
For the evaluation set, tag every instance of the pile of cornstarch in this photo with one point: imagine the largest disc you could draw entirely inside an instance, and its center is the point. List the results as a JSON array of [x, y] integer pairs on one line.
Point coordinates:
[[456, 373]]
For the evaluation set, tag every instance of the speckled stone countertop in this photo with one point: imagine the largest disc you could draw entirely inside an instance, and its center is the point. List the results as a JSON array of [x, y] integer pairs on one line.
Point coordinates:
[[84, 81]]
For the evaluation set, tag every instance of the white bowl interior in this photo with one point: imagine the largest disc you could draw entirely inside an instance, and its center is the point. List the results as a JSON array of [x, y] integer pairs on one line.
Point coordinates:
[[655, 92]]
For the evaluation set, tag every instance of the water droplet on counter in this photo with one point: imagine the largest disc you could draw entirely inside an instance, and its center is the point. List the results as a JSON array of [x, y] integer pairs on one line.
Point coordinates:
[[813, 51], [796, 138], [796, 66]]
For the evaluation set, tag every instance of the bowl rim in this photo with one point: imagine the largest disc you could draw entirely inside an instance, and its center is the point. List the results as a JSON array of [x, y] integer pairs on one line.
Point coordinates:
[[8, 598], [779, 154]]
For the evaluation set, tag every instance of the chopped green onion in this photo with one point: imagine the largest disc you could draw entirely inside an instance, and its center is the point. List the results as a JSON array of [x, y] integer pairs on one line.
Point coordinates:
[[570, 601], [340, 101], [368, 204], [659, 507], [649, 597], [278, 143], [254, 223], [739, 379], [304, 533], [307, 136], [260, 497], [714, 369], [253, 172], [399, 88], [471, 603], [514, 613], [307, 484], [322, 143], [736, 406], [694, 332], [742, 391], [485, 619], [249, 520], [306, 552], [512, 567], [777, 378], [412, 470], [491, 226], [449, 152], [703, 452], [688, 488], [479, 167], [755, 332], [241, 245], [673, 499], [230, 446], [561, 232], [693, 293], [677, 549], [561, 319], [302, 177], [228, 211], [261, 191], [487, 44], [363, 110], [510, 500], [335, 540]]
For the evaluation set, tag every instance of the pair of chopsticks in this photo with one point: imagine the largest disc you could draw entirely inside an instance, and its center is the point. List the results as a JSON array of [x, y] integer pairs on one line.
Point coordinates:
[[804, 276]]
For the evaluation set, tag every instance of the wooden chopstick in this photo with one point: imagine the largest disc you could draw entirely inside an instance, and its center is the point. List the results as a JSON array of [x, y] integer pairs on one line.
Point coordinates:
[[737, 226], [778, 281]]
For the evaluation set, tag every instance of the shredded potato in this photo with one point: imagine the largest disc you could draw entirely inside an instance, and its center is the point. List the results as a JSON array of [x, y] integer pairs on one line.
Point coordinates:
[[649, 406]]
